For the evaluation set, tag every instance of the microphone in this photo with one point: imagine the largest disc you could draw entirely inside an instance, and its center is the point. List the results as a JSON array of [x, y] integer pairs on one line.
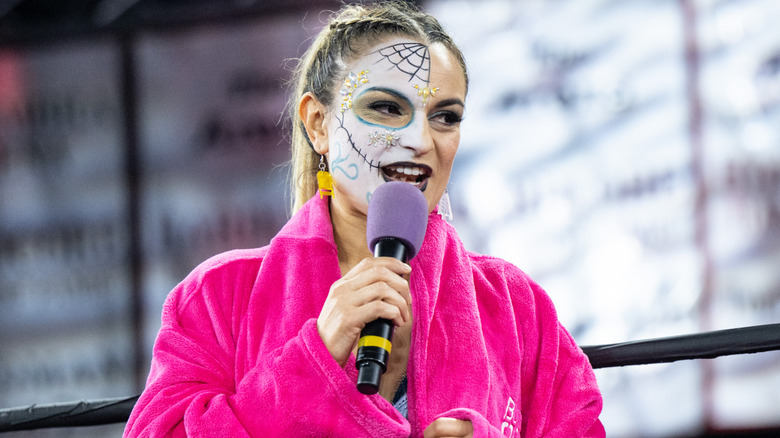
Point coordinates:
[[396, 223]]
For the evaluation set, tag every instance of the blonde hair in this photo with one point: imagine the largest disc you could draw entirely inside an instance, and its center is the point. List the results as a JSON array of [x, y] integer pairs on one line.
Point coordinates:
[[321, 68]]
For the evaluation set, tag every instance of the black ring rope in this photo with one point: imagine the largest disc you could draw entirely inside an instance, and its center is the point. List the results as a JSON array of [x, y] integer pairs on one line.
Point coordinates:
[[754, 339], [68, 414], [707, 345]]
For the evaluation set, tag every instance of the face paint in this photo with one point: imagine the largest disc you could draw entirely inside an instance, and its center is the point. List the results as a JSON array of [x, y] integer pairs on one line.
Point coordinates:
[[386, 140], [383, 130], [352, 82], [414, 60]]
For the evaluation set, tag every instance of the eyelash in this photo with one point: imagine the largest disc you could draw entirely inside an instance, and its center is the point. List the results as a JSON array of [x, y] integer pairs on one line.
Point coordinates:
[[386, 104], [392, 108], [450, 118]]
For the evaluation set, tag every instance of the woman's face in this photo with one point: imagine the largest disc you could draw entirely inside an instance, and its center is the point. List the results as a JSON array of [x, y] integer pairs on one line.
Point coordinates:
[[396, 117]]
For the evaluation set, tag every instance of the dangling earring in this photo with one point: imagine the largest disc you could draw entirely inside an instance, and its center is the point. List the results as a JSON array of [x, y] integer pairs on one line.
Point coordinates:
[[324, 180], [445, 208]]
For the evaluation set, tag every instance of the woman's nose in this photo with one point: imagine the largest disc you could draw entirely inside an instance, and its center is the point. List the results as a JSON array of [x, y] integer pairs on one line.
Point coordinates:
[[418, 137]]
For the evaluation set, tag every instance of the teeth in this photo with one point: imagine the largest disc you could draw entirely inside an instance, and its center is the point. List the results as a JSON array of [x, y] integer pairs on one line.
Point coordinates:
[[416, 171]]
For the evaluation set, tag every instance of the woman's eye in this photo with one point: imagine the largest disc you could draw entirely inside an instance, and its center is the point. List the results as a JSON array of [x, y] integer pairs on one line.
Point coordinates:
[[382, 108], [386, 107], [447, 118]]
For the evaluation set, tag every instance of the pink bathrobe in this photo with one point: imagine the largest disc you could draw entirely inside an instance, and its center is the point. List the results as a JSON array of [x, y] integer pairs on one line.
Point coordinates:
[[239, 355]]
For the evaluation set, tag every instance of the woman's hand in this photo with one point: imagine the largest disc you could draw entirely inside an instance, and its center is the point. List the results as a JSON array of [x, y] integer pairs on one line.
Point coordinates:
[[372, 289], [449, 427]]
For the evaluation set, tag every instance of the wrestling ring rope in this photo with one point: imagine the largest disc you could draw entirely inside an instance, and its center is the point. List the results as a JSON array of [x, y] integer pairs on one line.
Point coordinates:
[[754, 339]]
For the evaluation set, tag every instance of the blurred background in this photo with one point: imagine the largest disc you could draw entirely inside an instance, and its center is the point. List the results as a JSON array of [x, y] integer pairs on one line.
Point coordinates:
[[624, 153]]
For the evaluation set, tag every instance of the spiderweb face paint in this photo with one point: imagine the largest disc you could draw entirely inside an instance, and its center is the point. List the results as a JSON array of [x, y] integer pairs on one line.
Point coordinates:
[[413, 59]]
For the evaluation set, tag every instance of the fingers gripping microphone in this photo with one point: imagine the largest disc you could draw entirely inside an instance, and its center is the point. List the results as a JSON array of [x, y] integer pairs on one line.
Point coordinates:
[[397, 219]]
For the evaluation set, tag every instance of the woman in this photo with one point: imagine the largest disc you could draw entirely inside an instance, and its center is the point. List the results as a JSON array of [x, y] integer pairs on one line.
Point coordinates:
[[262, 342]]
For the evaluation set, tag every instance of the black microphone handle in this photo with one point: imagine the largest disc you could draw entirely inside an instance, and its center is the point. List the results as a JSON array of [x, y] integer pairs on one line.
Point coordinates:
[[376, 337], [391, 247]]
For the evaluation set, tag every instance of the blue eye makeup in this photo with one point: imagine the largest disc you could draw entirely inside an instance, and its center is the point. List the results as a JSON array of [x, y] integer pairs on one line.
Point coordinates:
[[383, 107]]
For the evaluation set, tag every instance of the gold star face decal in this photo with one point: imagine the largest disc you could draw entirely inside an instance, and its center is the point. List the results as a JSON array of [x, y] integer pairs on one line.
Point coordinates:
[[426, 92]]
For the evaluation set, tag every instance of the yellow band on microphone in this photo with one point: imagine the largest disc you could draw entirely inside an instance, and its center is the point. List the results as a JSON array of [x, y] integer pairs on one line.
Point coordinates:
[[375, 341]]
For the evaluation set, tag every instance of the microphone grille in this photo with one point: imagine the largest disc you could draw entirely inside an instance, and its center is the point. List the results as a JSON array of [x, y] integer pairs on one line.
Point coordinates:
[[398, 210]]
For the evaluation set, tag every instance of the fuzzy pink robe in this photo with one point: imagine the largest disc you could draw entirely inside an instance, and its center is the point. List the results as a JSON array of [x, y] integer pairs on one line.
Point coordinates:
[[239, 355]]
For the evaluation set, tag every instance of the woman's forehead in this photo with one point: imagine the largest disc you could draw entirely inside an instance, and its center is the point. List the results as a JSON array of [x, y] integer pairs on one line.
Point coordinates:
[[405, 60], [403, 56]]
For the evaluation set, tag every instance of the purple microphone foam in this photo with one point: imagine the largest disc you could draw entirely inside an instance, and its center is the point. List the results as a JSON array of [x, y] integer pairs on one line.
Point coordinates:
[[397, 209]]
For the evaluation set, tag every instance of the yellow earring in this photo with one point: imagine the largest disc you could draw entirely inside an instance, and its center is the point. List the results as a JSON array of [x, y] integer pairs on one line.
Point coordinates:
[[324, 180]]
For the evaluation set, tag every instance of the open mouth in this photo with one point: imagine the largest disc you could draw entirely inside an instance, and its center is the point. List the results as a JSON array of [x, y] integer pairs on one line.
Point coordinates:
[[415, 174]]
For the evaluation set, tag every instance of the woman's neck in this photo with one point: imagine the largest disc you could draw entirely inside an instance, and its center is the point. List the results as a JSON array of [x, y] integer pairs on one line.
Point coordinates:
[[349, 232]]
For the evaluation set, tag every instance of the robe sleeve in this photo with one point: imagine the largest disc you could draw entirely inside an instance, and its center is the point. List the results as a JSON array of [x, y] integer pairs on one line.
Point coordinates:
[[572, 409], [565, 400], [294, 390], [560, 396], [575, 402]]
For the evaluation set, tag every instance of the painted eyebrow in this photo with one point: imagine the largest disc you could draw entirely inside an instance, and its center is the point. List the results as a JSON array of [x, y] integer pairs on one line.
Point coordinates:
[[440, 104], [388, 91]]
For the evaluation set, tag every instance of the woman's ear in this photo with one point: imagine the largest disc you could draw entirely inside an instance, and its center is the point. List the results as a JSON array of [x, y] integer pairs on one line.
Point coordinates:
[[313, 115]]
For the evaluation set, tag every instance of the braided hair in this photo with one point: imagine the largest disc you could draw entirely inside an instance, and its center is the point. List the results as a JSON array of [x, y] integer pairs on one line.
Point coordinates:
[[351, 29]]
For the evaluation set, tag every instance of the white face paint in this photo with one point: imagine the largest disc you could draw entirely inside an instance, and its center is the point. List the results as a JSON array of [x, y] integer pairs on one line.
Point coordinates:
[[397, 118]]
